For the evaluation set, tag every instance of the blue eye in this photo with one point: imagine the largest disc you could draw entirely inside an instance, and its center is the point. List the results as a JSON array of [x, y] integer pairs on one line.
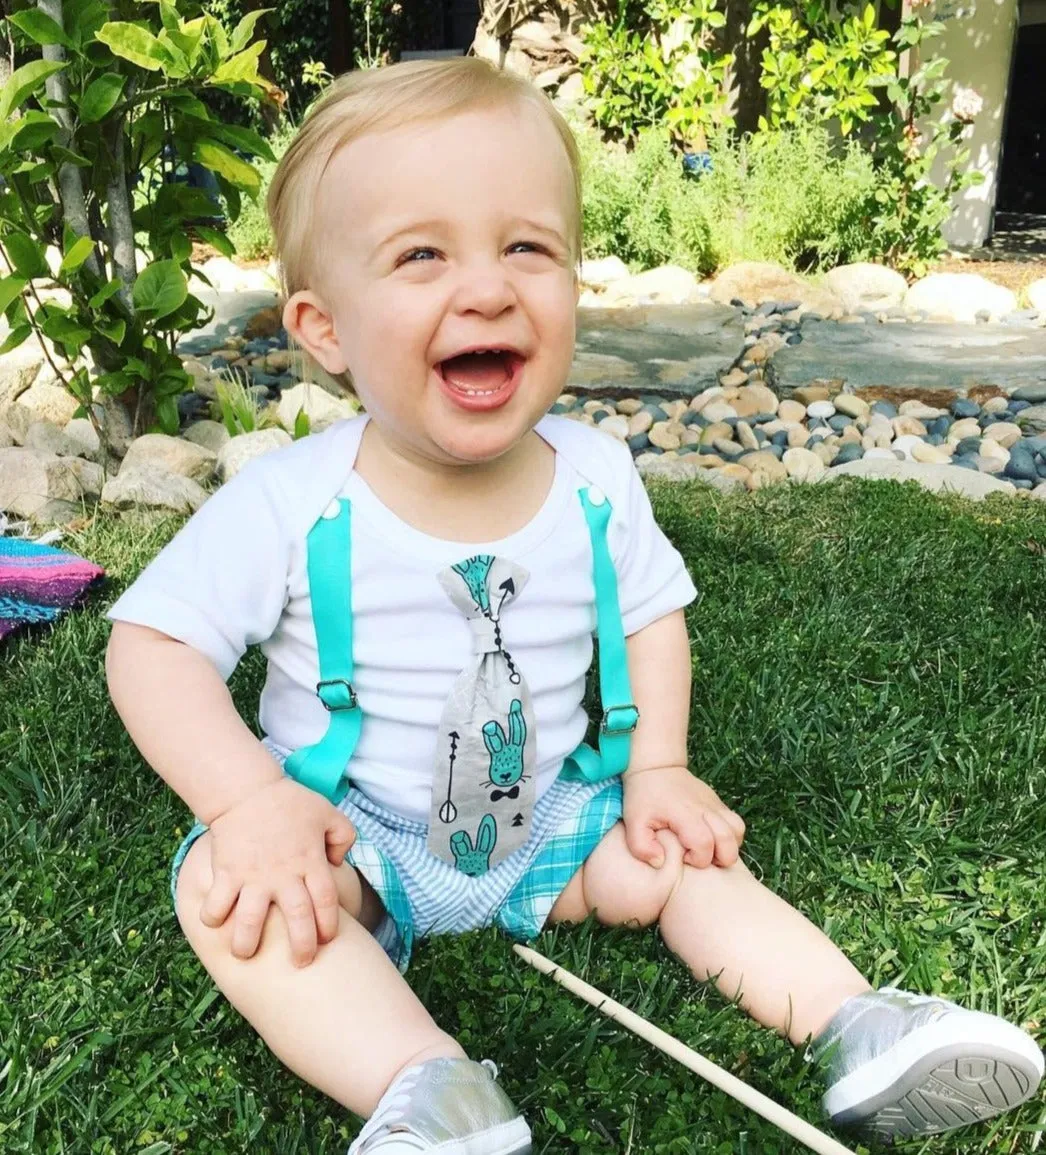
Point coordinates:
[[416, 255], [524, 246]]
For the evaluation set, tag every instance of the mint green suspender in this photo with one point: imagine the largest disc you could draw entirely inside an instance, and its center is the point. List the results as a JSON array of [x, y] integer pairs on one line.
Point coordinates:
[[323, 766]]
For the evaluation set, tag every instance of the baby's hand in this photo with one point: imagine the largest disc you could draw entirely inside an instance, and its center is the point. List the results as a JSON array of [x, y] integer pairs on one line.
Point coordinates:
[[278, 846], [671, 798]]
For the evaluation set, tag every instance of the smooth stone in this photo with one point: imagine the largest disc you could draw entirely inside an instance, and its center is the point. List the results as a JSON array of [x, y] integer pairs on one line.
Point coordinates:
[[791, 411], [1034, 419], [1016, 407], [1004, 432], [989, 464], [940, 426], [847, 453], [885, 408], [938, 478], [964, 407], [746, 437], [994, 451], [692, 418], [840, 422], [726, 448], [638, 442], [821, 409], [906, 444], [797, 437], [629, 406], [640, 422], [920, 410], [851, 405], [930, 454], [908, 427], [803, 465], [965, 428], [965, 462], [808, 394], [718, 410], [879, 454], [1036, 394], [996, 405], [780, 439], [715, 430], [1021, 465], [616, 426], [766, 463]]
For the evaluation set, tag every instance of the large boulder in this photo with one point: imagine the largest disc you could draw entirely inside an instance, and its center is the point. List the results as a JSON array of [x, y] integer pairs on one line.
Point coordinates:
[[321, 408], [938, 478], [756, 282], [239, 450], [159, 452], [866, 287], [603, 271], [959, 297], [18, 370], [665, 285], [31, 479], [211, 435], [226, 276], [147, 487]]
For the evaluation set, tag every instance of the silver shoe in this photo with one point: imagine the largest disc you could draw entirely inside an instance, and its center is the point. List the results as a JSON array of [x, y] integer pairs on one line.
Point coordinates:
[[899, 1065], [449, 1106]]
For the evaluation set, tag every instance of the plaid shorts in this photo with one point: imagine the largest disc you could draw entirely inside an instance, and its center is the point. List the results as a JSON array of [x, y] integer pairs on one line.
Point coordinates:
[[423, 895]]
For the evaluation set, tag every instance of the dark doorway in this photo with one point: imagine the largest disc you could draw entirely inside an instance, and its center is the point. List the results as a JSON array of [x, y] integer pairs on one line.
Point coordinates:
[[1022, 180]]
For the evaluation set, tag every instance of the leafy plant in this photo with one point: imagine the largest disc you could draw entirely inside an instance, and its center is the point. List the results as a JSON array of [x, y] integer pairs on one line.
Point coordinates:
[[80, 127], [662, 69], [241, 410]]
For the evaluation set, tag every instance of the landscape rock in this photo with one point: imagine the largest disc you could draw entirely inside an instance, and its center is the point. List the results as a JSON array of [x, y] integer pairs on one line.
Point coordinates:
[[866, 287], [159, 452], [149, 487], [211, 435], [599, 273], [245, 447], [959, 297], [30, 478], [321, 408], [756, 282]]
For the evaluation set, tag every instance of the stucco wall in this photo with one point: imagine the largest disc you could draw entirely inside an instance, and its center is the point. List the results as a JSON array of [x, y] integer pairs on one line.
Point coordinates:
[[978, 43]]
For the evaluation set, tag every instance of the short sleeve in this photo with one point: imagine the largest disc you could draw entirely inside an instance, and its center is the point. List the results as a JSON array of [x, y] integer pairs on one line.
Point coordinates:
[[652, 577], [220, 584]]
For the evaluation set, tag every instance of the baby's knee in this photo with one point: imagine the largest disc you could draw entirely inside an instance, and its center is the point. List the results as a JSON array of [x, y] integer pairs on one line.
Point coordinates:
[[623, 891]]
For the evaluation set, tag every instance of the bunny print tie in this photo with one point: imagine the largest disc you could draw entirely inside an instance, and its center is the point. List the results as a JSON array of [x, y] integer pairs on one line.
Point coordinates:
[[483, 787]]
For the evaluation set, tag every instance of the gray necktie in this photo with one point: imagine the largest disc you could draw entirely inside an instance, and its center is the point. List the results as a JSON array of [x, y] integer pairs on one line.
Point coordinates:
[[483, 787]]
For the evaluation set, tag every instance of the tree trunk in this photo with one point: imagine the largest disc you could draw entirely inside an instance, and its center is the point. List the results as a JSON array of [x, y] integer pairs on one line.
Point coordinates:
[[747, 97], [74, 208], [342, 48]]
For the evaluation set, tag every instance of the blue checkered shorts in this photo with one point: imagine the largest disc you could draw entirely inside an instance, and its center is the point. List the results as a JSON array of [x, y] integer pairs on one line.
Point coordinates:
[[423, 895]]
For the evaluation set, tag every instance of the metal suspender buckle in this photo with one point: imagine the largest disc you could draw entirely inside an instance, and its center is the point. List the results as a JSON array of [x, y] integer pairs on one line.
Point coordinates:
[[337, 694], [625, 725]]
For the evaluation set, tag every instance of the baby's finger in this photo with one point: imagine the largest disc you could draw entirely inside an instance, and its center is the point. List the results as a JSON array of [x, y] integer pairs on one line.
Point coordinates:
[[252, 908], [697, 838], [642, 843], [220, 899], [324, 894], [340, 835], [725, 853], [737, 824], [295, 902]]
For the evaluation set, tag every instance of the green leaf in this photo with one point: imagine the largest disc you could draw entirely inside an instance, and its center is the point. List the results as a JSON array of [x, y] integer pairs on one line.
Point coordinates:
[[245, 29], [101, 96], [302, 425], [242, 66], [25, 254], [114, 383], [216, 238], [40, 27], [65, 331], [76, 255], [33, 130], [167, 415], [10, 287], [25, 80], [181, 246], [113, 328], [105, 292], [132, 42], [17, 335], [238, 172], [160, 288], [245, 139]]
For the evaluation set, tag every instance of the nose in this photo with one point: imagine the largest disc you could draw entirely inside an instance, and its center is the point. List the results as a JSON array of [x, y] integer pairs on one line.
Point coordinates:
[[484, 288]]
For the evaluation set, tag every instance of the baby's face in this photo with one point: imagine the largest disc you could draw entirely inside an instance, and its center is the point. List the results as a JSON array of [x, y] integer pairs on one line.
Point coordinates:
[[450, 279]]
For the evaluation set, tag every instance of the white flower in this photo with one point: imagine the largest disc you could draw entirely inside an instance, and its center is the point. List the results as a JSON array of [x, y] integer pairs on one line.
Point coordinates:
[[966, 104]]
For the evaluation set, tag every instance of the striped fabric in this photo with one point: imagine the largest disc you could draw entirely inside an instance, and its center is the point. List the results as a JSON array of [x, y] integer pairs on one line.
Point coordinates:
[[38, 583], [423, 895]]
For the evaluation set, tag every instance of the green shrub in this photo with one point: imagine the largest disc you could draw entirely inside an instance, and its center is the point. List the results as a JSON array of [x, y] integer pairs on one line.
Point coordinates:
[[788, 195]]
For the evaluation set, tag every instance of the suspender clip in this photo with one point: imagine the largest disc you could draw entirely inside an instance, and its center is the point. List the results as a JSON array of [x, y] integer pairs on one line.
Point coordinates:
[[621, 725], [337, 694]]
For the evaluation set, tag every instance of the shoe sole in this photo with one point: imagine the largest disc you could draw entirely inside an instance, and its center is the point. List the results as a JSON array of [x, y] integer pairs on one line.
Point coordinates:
[[511, 1138], [925, 1084]]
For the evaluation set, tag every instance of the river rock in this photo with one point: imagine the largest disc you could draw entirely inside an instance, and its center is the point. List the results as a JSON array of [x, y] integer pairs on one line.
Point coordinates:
[[1006, 433], [31, 479], [211, 435], [319, 406], [803, 464], [1033, 420], [755, 282], [603, 271]]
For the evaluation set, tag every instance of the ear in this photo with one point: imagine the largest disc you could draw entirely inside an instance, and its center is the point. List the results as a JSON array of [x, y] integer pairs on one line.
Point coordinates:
[[308, 320], [487, 835]]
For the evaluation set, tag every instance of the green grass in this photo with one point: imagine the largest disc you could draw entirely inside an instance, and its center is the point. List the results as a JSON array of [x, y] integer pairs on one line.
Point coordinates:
[[869, 672]]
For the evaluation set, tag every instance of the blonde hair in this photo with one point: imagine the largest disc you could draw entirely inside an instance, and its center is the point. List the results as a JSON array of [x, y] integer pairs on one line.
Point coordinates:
[[377, 100]]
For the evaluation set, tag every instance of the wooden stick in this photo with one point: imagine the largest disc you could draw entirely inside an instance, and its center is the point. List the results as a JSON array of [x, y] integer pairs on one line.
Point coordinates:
[[756, 1101]]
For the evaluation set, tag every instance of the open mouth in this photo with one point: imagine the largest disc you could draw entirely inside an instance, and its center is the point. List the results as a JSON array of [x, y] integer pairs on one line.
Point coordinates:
[[482, 376]]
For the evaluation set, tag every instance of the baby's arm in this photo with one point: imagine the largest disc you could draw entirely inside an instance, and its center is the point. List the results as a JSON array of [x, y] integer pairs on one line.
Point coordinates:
[[660, 791], [179, 712], [272, 840]]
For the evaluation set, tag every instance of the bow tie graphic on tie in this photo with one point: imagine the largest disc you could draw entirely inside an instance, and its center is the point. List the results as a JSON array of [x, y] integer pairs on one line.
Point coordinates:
[[483, 786]]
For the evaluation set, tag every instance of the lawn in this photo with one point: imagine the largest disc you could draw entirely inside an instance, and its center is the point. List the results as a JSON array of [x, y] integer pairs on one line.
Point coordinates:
[[869, 666]]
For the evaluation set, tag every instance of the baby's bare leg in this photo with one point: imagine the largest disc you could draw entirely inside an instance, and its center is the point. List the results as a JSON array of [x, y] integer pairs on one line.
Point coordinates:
[[348, 1022], [725, 925]]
